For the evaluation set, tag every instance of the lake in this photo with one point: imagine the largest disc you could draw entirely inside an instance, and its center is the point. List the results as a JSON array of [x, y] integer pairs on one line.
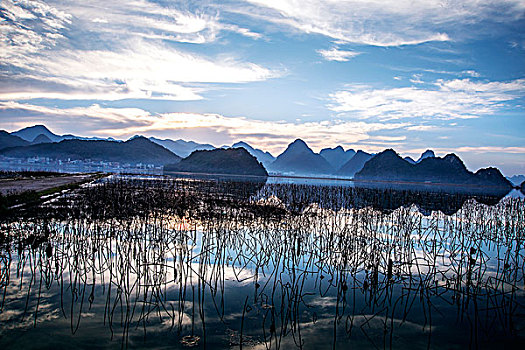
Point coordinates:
[[154, 262]]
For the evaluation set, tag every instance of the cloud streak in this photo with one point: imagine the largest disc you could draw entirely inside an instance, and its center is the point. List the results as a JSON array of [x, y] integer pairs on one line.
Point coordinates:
[[147, 19], [136, 70], [383, 23], [111, 50], [443, 99], [334, 54]]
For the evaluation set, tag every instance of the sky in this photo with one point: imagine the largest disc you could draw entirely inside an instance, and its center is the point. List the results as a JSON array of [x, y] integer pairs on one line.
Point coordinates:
[[364, 74]]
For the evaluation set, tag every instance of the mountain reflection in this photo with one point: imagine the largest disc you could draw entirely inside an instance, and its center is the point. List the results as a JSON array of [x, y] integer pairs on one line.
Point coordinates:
[[216, 264], [384, 197]]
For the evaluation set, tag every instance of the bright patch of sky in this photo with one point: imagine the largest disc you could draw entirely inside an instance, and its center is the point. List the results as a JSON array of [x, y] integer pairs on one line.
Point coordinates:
[[364, 74]]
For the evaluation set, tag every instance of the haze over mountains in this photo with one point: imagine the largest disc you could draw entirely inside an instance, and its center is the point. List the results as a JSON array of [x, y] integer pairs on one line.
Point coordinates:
[[180, 147], [337, 156], [354, 164], [297, 160], [32, 132], [266, 158]]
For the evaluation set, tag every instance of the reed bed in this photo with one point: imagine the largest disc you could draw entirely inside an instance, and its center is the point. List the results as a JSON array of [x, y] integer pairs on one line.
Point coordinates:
[[230, 263]]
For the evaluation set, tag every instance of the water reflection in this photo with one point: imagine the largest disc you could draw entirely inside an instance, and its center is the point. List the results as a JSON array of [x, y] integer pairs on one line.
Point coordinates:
[[183, 263]]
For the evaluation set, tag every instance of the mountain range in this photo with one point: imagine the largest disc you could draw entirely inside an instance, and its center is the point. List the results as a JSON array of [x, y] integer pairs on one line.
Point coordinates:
[[355, 164], [389, 166], [337, 156], [135, 150], [180, 147], [517, 180], [265, 158], [31, 133], [298, 159]]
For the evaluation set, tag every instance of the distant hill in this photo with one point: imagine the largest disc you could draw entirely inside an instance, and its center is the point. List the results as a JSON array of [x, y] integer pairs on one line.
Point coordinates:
[[180, 147], [231, 161], [516, 179], [299, 159], [389, 166], [410, 160], [427, 154], [356, 163], [41, 139], [264, 157], [9, 140], [491, 177], [31, 133], [337, 157], [136, 150]]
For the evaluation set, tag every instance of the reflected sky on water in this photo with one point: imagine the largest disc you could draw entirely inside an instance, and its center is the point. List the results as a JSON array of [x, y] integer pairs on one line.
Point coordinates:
[[305, 269]]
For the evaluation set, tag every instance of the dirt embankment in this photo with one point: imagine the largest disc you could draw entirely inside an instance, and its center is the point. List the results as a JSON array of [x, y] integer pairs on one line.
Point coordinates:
[[14, 186]]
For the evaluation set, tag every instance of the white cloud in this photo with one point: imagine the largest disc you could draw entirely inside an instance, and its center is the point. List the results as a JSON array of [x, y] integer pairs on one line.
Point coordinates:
[[138, 70], [452, 99], [471, 73], [112, 50], [494, 87], [492, 149], [149, 19], [93, 111], [416, 79], [26, 27], [125, 122], [334, 54], [385, 138], [421, 127], [383, 22]]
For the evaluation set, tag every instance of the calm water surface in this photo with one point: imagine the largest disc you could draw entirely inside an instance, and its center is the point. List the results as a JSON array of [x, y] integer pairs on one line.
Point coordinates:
[[179, 263]]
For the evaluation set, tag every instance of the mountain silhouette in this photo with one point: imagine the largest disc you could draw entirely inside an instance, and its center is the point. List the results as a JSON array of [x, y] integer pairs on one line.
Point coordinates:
[[265, 158], [32, 132], [356, 163], [230, 161], [427, 154], [517, 179], [337, 156], [136, 150], [8, 140], [182, 148], [410, 160], [42, 138], [299, 159], [389, 166]]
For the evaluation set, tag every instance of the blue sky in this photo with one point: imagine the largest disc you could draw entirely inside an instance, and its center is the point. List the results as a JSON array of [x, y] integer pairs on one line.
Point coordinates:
[[408, 75]]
